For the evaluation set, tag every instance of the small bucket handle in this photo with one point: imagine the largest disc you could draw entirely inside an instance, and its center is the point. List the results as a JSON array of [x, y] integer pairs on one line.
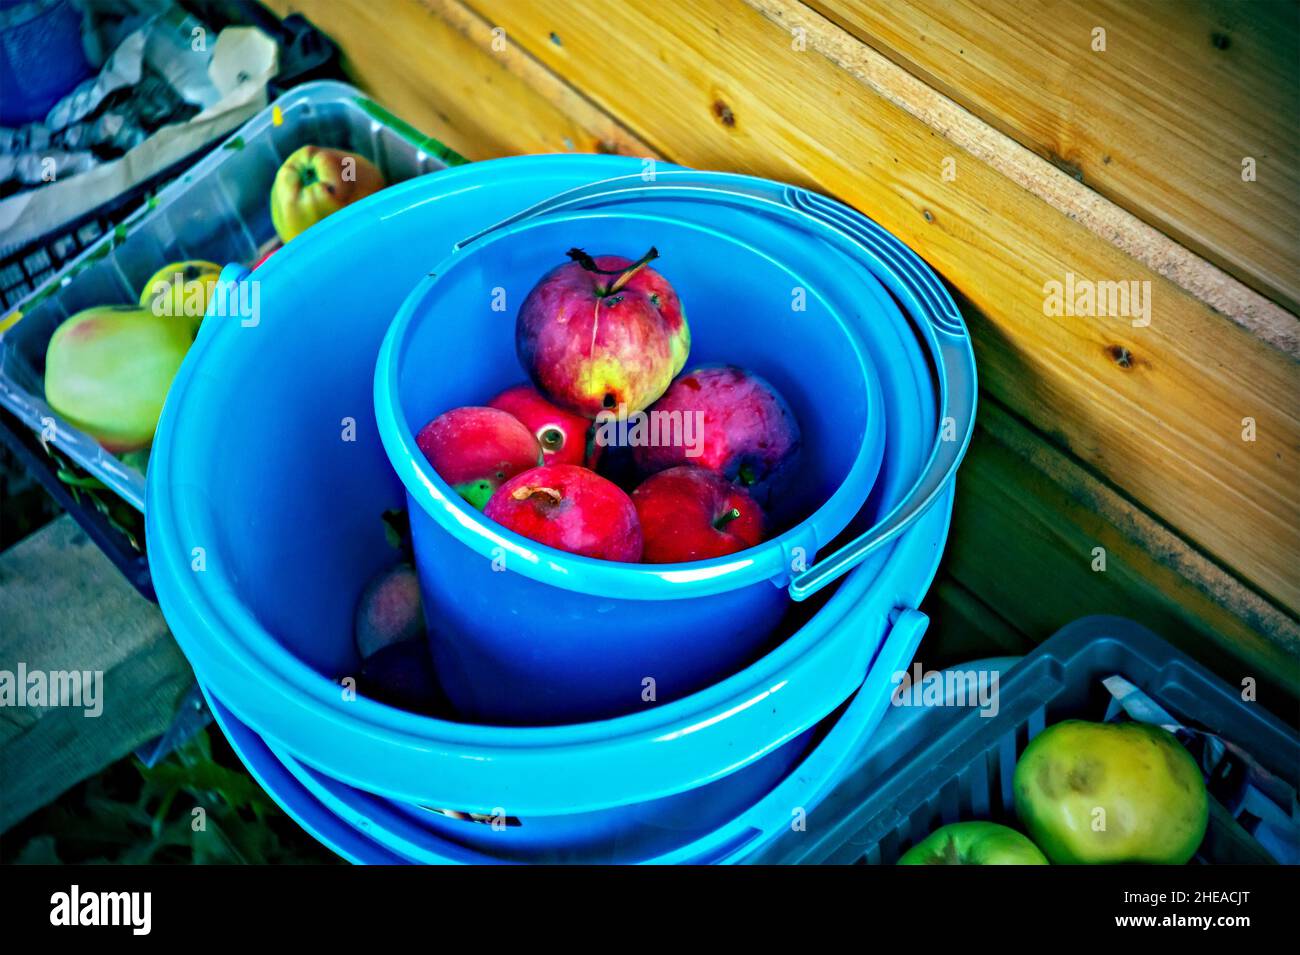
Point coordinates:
[[897, 267]]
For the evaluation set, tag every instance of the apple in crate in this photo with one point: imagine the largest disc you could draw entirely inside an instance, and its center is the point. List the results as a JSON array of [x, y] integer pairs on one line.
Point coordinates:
[[315, 182], [688, 513], [476, 450], [747, 432], [107, 371], [973, 843], [562, 434], [181, 290], [1111, 792], [570, 508], [602, 333]]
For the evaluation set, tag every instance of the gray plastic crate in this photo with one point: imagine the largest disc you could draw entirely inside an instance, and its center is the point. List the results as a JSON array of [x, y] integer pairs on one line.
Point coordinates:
[[927, 767], [219, 210]]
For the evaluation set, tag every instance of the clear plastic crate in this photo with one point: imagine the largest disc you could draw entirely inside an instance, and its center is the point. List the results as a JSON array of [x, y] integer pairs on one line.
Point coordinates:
[[926, 767], [220, 211]]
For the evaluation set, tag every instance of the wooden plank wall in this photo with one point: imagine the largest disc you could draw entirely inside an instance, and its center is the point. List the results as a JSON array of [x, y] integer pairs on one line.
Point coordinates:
[[1156, 113], [1171, 444]]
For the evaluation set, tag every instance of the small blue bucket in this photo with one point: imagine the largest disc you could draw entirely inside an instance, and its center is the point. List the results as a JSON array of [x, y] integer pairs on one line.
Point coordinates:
[[559, 638]]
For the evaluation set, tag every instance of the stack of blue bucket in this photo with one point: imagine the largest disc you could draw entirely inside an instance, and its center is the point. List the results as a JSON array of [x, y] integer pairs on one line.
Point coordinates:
[[284, 441]]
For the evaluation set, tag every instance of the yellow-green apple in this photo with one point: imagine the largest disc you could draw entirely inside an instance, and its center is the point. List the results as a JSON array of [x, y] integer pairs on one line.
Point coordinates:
[[315, 182], [973, 843], [1111, 792], [476, 450], [747, 431], [688, 513], [107, 371], [181, 290], [562, 434], [602, 333], [570, 508]]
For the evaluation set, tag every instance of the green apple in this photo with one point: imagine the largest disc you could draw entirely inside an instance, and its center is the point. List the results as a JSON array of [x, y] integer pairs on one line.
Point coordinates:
[[1111, 792], [181, 290], [973, 843], [107, 371], [315, 182]]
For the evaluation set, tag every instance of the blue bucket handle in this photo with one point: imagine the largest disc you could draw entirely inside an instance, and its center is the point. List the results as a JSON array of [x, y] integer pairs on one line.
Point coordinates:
[[898, 268]]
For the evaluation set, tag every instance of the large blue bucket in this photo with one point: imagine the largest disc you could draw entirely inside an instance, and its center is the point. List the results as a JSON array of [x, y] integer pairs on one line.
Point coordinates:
[[720, 822], [265, 492]]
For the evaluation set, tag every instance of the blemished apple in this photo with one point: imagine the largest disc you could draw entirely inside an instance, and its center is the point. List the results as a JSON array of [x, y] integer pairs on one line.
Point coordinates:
[[688, 513], [388, 611], [314, 183], [562, 434], [570, 508], [1111, 792], [748, 432], [108, 369], [476, 450], [974, 843], [181, 290], [602, 333]]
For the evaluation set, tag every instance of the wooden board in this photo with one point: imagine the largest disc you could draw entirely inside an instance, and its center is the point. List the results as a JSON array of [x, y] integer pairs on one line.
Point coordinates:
[[1158, 409], [1026, 531], [446, 74], [64, 606], [1159, 120]]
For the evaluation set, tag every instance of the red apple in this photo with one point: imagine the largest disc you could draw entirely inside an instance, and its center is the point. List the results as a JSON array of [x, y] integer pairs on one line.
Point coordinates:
[[688, 513], [663, 297], [570, 508], [476, 450], [562, 434], [602, 332], [748, 432], [388, 611]]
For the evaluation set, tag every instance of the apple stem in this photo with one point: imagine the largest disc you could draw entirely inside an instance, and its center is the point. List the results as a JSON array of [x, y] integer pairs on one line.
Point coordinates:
[[727, 518], [624, 274], [633, 269], [528, 490]]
